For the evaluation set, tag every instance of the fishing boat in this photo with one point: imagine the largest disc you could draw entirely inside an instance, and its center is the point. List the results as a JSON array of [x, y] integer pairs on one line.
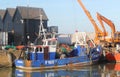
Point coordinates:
[[45, 56], [113, 54]]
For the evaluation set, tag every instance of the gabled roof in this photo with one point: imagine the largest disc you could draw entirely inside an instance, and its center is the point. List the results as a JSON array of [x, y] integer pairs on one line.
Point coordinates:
[[2, 13], [11, 11], [31, 12]]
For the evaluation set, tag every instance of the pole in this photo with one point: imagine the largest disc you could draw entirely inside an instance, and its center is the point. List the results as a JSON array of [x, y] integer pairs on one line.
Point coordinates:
[[27, 21]]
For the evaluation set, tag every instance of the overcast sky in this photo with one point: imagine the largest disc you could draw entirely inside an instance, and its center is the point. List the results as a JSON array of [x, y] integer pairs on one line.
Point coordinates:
[[68, 15]]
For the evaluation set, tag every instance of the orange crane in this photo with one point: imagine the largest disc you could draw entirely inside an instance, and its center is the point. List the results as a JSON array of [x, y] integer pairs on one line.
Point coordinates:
[[115, 36], [98, 32], [99, 35], [101, 23]]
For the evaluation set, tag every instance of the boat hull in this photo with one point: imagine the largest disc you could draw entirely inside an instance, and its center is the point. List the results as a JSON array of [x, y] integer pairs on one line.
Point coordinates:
[[57, 63], [113, 57]]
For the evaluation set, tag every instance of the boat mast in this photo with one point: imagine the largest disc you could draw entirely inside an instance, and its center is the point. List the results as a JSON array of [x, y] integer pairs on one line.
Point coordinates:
[[41, 28], [41, 32]]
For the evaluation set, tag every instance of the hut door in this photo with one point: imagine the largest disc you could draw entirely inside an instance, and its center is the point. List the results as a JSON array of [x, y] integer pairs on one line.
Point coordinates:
[[46, 53]]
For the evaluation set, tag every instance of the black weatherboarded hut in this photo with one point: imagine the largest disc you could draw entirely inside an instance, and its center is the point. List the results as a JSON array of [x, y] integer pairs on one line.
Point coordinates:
[[22, 22], [26, 24]]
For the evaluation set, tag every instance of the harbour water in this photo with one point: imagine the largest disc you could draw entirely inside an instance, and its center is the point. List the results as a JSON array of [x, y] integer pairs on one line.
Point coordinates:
[[102, 70]]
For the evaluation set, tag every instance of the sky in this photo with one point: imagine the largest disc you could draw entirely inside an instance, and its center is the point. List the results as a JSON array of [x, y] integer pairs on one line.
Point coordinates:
[[68, 14]]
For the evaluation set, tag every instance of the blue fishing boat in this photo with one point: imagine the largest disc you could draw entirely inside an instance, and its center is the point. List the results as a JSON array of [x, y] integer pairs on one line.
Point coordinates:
[[44, 57], [49, 55]]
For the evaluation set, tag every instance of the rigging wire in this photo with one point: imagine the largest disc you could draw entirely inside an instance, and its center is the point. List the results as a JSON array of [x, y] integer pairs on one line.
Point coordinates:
[[74, 15]]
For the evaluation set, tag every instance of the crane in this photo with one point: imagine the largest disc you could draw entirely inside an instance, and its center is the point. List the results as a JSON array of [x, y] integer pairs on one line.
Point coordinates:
[[109, 22], [98, 32], [115, 35], [101, 23]]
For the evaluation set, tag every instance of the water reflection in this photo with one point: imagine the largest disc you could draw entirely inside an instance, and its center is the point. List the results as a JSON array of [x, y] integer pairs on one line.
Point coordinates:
[[5, 72], [111, 70], [104, 70], [79, 72]]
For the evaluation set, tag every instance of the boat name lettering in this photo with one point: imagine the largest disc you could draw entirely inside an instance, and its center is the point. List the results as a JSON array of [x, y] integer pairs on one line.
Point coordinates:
[[49, 75], [49, 62], [20, 61], [96, 55]]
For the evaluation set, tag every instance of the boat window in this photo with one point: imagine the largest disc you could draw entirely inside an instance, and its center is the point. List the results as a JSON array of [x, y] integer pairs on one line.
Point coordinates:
[[51, 42], [39, 49]]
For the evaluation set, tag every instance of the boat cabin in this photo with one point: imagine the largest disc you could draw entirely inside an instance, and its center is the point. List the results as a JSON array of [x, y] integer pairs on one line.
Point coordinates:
[[46, 51]]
